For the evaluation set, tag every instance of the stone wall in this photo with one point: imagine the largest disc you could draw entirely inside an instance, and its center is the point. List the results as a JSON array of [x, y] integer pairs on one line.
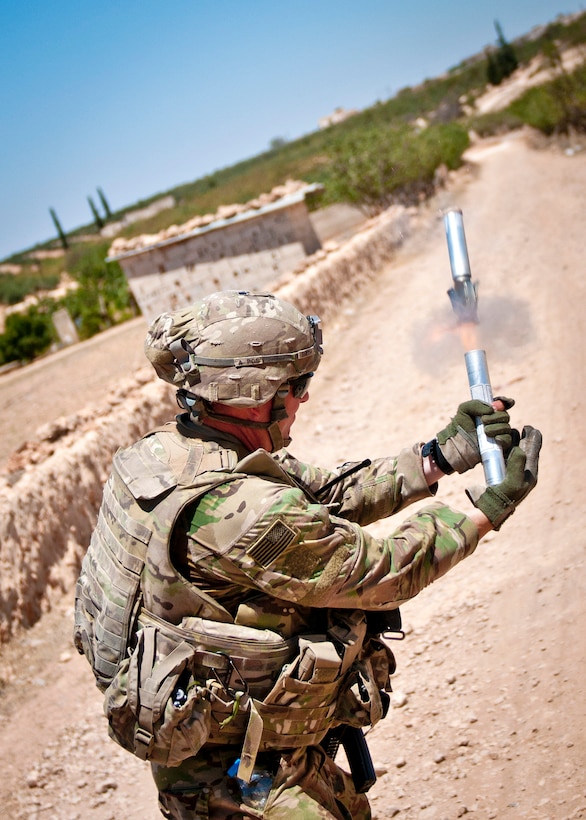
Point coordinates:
[[247, 251]]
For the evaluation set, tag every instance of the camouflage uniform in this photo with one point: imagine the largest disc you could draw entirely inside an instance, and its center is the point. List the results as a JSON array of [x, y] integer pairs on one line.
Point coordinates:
[[322, 559], [325, 557], [307, 786], [227, 601]]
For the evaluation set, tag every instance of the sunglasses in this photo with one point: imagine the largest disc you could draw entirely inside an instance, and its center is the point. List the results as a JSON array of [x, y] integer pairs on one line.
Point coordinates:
[[300, 385]]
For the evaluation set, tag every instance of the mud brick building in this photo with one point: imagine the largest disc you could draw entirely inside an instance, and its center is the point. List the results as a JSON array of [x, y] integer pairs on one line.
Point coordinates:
[[249, 250]]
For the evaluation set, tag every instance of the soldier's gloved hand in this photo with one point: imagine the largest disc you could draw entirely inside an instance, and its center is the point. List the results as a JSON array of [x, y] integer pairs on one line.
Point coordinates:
[[458, 442], [500, 501]]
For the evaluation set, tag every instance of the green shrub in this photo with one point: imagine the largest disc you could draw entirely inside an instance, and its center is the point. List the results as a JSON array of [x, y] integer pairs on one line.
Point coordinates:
[[539, 109], [26, 335], [379, 166], [103, 298], [15, 287], [450, 140], [494, 123], [556, 107]]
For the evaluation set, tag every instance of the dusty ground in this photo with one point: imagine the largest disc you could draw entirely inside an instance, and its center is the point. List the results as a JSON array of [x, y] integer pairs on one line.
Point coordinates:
[[489, 706]]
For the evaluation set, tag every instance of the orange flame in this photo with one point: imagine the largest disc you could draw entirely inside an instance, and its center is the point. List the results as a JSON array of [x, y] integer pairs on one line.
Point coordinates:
[[468, 335]]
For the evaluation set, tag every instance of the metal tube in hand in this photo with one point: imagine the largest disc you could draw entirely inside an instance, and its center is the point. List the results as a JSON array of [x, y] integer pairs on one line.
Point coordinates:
[[491, 453]]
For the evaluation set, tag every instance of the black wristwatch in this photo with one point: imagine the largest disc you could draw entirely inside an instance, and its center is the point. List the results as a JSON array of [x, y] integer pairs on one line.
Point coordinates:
[[431, 449]]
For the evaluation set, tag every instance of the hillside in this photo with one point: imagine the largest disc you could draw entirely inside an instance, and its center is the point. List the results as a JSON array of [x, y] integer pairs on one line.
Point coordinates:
[[393, 153], [459, 94]]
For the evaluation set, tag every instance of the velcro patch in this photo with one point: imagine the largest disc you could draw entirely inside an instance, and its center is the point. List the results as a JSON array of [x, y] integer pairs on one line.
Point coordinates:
[[273, 541]]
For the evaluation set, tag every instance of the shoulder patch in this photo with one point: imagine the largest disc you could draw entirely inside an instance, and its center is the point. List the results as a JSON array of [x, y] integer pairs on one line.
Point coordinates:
[[272, 542]]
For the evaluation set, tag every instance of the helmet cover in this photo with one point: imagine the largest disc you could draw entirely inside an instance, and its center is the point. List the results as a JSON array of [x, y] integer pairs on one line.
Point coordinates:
[[234, 347]]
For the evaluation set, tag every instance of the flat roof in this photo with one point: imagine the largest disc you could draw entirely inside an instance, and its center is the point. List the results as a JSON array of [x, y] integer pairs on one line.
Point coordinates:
[[252, 213]]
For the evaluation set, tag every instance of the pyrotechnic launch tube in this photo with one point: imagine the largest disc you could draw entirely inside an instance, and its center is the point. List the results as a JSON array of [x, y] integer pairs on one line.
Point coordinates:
[[464, 300], [492, 456]]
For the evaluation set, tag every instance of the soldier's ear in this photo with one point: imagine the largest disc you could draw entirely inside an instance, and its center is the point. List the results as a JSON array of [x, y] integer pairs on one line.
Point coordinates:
[[262, 412]]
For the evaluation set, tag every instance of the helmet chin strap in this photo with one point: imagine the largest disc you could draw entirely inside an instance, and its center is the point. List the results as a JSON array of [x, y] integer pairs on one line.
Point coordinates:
[[201, 409], [278, 413], [276, 437]]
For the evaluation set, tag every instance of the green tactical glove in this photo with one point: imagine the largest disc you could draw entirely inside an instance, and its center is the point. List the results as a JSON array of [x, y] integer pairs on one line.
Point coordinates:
[[501, 500], [458, 442]]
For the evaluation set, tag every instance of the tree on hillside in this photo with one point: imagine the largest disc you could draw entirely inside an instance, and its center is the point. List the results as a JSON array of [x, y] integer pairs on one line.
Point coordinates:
[[493, 74], [105, 205], [502, 62], [506, 53], [276, 143], [59, 229], [97, 218]]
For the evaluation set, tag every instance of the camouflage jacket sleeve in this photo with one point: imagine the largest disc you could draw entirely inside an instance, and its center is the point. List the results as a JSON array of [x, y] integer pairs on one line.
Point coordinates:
[[386, 486], [258, 533]]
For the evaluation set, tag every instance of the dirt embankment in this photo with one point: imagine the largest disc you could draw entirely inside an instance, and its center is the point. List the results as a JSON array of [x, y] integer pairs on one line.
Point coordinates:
[[489, 713]]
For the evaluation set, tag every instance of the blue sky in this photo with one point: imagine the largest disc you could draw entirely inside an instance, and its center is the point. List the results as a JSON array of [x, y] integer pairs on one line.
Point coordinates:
[[137, 96]]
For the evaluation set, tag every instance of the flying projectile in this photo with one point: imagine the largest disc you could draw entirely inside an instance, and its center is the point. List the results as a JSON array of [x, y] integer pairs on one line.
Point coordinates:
[[464, 294]]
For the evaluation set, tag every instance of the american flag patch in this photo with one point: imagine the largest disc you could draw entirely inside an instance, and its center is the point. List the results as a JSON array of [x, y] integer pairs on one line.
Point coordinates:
[[274, 540]]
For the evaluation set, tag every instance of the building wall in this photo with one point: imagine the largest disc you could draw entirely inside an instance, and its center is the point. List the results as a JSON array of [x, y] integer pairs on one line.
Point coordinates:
[[248, 252]]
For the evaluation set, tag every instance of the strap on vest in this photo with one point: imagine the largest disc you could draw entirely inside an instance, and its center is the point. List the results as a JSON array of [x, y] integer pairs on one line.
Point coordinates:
[[251, 743], [154, 689]]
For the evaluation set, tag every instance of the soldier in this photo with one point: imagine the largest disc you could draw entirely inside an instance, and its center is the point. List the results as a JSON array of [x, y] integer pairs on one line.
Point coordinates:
[[231, 602]]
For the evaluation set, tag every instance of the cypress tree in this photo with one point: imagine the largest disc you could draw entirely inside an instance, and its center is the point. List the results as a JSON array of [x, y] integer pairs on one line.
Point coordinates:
[[502, 62], [493, 72], [59, 229], [97, 218], [105, 204], [506, 57]]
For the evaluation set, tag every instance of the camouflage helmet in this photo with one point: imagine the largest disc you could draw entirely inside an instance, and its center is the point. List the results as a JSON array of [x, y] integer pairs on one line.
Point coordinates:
[[234, 347]]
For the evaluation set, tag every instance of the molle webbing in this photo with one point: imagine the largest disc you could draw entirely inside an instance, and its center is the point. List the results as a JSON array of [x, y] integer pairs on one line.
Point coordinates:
[[127, 563], [108, 589]]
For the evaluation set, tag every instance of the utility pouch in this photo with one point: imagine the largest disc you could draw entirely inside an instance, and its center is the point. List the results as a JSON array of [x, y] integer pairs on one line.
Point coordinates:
[[303, 703], [382, 662], [299, 708], [155, 708], [360, 703], [297, 711]]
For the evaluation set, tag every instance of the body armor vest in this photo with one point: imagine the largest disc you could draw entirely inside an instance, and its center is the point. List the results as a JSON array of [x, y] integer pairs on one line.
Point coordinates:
[[176, 670]]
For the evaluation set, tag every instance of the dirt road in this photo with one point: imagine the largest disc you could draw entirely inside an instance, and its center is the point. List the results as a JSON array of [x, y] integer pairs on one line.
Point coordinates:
[[489, 706]]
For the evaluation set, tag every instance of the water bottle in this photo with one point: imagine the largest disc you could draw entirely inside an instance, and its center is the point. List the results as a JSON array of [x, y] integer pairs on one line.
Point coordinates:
[[253, 794]]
